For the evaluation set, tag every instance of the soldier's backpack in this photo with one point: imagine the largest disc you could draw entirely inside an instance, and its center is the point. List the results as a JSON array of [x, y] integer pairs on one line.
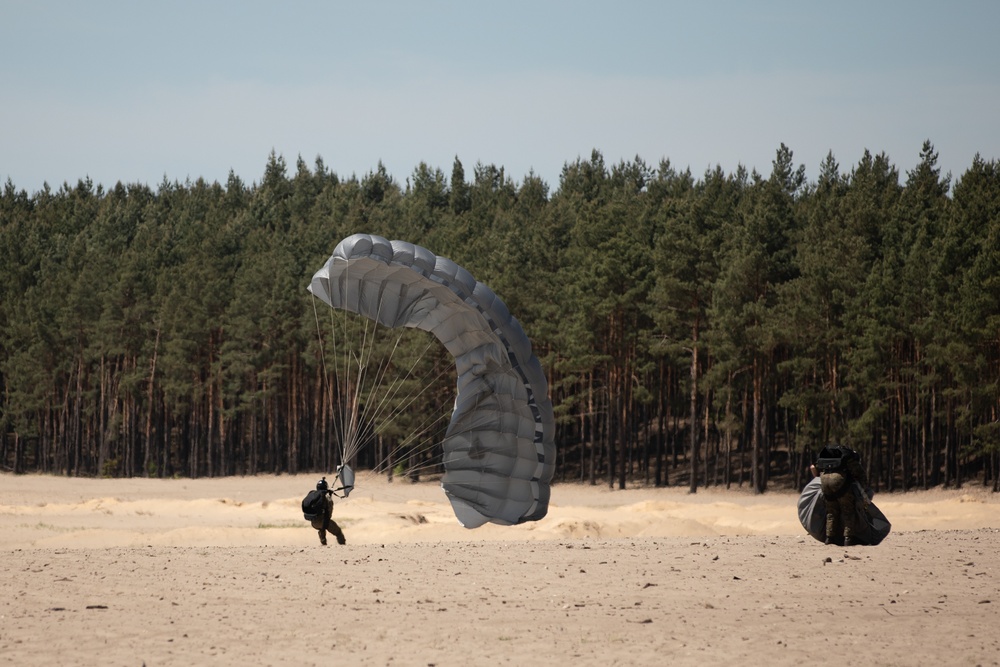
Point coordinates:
[[313, 505], [835, 458]]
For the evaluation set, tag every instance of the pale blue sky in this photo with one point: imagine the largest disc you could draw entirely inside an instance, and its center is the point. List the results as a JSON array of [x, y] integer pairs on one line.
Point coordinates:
[[123, 90]]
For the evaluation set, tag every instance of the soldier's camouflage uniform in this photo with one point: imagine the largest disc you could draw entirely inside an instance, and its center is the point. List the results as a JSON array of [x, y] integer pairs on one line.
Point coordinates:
[[845, 505]]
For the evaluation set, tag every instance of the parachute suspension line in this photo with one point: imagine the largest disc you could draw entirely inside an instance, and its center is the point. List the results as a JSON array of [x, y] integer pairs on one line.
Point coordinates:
[[346, 389], [383, 392], [352, 392], [341, 405], [344, 401], [355, 436], [380, 398], [438, 425], [377, 392], [384, 411], [368, 388], [468, 429], [383, 404], [351, 405], [336, 383], [430, 424], [356, 394]]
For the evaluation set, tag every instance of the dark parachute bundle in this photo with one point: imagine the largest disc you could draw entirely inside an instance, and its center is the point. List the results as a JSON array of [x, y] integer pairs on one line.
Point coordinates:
[[812, 515], [499, 449]]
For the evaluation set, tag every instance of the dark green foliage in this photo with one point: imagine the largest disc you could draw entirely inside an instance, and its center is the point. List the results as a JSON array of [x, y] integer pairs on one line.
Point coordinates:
[[695, 331]]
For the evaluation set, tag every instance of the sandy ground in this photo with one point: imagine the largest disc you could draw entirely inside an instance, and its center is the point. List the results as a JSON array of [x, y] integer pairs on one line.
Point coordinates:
[[226, 572]]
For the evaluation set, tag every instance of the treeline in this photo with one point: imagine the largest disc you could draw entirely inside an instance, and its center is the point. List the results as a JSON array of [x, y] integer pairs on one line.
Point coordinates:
[[696, 330]]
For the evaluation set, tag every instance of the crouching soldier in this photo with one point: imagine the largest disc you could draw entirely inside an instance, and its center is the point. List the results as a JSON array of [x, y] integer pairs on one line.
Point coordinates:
[[843, 481], [317, 508]]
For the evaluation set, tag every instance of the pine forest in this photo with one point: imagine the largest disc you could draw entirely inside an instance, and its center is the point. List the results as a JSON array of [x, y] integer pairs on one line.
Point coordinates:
[[713, 329]]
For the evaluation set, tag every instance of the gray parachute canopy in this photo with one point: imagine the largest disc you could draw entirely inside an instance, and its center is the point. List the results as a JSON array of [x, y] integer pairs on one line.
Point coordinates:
[[499, 449]]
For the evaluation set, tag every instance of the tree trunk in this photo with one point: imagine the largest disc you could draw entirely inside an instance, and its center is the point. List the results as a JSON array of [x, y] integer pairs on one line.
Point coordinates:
[[756, 480], [148, 432], [693, 413]]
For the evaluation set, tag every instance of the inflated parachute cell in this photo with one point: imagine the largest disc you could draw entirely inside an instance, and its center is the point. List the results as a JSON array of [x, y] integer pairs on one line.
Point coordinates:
[[499, 449]]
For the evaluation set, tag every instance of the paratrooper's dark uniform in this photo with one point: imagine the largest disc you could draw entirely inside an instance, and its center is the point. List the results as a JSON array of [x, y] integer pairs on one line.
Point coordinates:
[[323, 521]]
